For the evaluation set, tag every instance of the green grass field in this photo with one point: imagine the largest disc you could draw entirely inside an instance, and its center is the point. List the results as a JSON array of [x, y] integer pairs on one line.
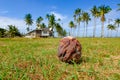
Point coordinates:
[[36, 59]]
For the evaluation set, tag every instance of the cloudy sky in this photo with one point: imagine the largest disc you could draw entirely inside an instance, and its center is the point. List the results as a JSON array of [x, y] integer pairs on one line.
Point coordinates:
[[12, 12]]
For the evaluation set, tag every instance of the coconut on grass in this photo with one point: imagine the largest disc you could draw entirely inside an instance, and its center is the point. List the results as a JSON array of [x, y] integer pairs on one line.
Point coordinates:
[[69, 50]]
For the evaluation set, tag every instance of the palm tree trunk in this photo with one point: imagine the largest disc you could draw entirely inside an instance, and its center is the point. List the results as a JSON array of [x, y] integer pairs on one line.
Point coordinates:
[[78, 30], [74, 30], [28, 28], [71, 32], [84, 29], [111, 33], [108, 34], [94, 27], [76, 34], [102, 29], [117, 33]]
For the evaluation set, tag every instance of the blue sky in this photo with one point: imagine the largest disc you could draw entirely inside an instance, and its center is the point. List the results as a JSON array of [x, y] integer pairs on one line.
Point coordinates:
[[13, 11]]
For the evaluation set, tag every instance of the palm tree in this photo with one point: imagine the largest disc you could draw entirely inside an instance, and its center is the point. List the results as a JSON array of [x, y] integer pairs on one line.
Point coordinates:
[[13, 31], [111, 27], [77, 18], [103, 10], [47, 16], [43, 25], [109, 20], [86, 19], [28, 20], [59, 29], [117, 22], [95, 12], [71, 25], [77, 13], [59, 19], [38, 22], [3, 32], [64, 33], [61, 32], [119, 7], [51, 21]]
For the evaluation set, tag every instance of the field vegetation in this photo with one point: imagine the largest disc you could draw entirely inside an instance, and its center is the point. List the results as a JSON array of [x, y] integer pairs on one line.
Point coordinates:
[[34, 59]]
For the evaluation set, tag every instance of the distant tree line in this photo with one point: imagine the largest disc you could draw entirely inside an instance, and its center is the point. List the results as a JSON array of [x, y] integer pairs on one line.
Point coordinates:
[[2, 32], [11, 32]]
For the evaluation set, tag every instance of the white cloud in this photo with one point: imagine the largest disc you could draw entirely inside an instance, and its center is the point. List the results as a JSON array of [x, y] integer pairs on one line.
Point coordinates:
[[58, 15], [19, 23]]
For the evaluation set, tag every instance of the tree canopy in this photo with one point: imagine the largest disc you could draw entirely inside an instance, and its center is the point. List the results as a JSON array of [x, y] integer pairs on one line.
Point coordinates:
[[13, 31], [28, 20], [3, 32]]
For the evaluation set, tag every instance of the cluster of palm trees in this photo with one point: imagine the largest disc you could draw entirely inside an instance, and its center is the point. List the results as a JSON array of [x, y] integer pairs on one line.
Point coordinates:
[[97, 12], [52, 23], [29, 22], [12, 31]]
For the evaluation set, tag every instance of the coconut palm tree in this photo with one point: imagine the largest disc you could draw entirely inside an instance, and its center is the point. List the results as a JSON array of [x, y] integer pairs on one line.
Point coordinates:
[[28, 20], [47, 16], [77, 14], [59, 19], [117, 23], [103, 10], [13, 31], [109, 21], [86, 18], [119, 7], [38, 22], [74, 17], [111, 27], [51, 21], [43, 25], [95, 13], [64, 33], [71, 25], [3, 32], [77, 18], [59, 29]]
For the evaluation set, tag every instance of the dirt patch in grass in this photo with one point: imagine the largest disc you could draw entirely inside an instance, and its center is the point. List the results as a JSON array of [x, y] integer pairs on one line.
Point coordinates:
[[3, 44], [115, 60], [24, 64], [35, 77]]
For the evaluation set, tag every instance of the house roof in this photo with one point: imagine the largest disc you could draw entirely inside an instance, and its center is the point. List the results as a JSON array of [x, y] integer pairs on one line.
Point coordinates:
[[42, 29], [45, 29]]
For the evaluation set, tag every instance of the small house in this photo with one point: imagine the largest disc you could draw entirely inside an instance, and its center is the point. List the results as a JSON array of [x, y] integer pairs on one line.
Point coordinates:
[[43, 32]]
